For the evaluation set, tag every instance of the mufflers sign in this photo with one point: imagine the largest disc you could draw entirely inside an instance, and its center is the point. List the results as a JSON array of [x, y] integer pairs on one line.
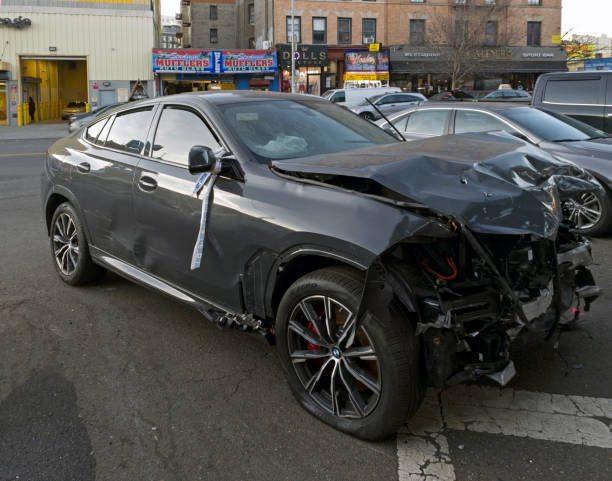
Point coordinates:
[[305, 55], [214, 61], [18, 22]]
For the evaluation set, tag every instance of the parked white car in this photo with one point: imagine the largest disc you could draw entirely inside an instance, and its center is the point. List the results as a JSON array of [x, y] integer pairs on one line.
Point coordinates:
[[352, 97]]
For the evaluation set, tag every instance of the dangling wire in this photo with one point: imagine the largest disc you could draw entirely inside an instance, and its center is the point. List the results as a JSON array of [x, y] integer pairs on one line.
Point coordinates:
[[451, 264]]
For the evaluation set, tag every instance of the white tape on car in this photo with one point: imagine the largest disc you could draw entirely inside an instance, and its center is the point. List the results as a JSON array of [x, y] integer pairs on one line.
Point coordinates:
[[205, 185]]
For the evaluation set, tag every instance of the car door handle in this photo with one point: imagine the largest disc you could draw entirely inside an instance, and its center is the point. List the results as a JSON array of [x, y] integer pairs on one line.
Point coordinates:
[[147, 183], [84, 167]]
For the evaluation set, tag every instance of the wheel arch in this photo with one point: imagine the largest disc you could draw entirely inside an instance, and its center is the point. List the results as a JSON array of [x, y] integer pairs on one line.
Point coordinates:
[[296, 263], [57, 196]]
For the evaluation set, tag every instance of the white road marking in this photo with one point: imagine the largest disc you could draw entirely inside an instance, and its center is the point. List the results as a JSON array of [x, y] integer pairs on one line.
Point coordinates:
[[423, 449]]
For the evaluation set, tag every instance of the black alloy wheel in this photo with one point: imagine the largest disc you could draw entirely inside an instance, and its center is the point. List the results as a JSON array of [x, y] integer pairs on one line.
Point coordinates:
[[361, 379]]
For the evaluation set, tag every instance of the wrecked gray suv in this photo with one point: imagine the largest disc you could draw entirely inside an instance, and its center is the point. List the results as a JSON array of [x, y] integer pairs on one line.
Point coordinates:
[[378, 267]]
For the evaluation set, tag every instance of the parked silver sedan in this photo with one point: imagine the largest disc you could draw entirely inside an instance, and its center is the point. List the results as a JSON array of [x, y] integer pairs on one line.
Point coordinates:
[[387, 104], [558, 134]]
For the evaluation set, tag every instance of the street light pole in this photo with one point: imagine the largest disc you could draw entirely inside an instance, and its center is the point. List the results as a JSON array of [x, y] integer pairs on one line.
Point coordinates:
[[292, 48]]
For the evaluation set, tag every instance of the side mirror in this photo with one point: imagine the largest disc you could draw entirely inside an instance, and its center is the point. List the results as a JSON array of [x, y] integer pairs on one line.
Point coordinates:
[[201, 159]]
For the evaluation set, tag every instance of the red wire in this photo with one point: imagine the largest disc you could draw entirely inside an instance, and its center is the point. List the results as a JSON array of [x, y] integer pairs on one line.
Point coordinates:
[[451, 264]]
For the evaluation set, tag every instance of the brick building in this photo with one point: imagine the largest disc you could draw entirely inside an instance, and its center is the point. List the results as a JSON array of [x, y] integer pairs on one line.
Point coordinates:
[[513, 40], [212, 24]]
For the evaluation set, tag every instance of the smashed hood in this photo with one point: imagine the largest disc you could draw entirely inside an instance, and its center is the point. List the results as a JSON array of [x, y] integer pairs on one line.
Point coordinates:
[[494, 183]]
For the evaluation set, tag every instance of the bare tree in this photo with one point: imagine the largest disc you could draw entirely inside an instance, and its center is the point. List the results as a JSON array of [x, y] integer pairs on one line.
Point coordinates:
[[466, 35]]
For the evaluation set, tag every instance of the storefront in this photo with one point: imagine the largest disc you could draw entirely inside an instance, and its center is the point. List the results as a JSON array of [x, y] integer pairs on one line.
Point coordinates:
[[192, 70], [310, 68], [363, 69], [426, 69], [51, 71]]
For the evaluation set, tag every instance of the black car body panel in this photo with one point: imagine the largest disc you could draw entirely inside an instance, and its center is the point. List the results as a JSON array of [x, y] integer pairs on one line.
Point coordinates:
[[486, 205]]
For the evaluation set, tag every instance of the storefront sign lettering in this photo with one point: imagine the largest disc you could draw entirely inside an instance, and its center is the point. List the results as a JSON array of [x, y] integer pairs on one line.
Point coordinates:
[[305, 55], [365, 61], [259, 61], [18, 22], [213, 61]]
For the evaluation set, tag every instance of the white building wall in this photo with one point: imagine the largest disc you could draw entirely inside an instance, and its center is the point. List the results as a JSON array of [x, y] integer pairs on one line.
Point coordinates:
[[116, 43]]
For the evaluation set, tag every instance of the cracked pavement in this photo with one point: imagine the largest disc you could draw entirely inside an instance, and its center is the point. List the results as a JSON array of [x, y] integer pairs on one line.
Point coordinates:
[[122, 383]]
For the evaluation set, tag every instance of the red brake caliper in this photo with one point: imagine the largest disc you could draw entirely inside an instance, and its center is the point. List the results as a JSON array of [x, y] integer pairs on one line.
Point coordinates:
[[311, 346]]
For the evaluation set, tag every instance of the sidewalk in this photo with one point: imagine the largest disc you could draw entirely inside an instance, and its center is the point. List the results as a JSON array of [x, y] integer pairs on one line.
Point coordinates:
[[39, 130]]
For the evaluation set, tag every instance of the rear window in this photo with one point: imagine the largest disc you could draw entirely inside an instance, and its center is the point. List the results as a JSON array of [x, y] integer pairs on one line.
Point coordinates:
[[129, 130], [578, 91]]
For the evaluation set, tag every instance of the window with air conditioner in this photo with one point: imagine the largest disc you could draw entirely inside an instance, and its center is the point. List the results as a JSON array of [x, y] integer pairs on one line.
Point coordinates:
[[368, 30]]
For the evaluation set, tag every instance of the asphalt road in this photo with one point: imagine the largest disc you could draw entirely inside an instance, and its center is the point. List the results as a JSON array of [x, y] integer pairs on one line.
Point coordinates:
[[115, 382]]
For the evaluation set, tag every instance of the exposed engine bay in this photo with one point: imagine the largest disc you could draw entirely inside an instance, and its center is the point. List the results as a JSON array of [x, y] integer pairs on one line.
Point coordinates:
[[472, 296]]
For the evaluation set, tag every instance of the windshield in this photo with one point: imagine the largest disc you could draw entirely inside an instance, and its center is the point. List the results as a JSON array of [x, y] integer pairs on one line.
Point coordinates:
[[551, 126], [288, 129], [372, 99]]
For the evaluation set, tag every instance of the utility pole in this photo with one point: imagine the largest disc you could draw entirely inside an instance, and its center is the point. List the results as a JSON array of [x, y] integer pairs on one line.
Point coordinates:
[[292, 48]]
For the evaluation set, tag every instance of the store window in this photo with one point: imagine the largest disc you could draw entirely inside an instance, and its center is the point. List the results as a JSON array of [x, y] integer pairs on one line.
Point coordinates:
[[129, 131], [251, 14], [319, 30], [491, 33], [368, 28], [177, 132], [417, 32], [297, 29], [344, 30], [213, 35], [213, 12], [534, 30]]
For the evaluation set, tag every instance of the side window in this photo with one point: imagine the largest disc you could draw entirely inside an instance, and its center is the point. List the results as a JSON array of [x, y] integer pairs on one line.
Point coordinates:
[[609, 94], [177, 132], [129, 130], [339, 97], [407, 98], [388, 99], [495, 95], [400, 124], [472, 121], [94, 130], [577, 91], [427, 122], [102, 137]]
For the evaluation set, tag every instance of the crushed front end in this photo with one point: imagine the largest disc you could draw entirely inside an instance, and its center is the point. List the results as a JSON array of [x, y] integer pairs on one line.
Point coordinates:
[[474, 293]]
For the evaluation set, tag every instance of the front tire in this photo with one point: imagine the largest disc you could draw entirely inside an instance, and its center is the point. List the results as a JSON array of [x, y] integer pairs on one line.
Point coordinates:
[[69, 248], [591, 212], [364, 382]]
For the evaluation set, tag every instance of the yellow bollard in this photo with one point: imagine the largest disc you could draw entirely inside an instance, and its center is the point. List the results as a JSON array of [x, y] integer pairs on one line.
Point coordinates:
[[87, 107], [19, 116]]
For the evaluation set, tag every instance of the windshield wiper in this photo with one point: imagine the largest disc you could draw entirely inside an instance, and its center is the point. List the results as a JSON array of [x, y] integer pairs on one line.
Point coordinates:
[[569, 140], [598, 137]]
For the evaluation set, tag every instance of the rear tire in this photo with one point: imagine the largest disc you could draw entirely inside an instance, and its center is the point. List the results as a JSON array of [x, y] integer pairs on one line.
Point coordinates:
[[380, 355], [69, 248]]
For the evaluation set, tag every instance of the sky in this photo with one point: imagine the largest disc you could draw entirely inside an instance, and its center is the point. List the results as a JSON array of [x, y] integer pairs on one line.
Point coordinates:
[[592, 17]]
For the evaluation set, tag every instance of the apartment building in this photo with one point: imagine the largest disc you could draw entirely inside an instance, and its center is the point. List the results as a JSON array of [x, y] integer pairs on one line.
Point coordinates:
[[519, 39]]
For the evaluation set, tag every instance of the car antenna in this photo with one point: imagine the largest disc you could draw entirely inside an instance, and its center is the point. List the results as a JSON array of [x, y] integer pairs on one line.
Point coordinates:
[[386, 119]]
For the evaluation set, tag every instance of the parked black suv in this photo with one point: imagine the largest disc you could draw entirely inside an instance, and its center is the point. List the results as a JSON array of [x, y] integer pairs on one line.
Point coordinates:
[[586, 96]]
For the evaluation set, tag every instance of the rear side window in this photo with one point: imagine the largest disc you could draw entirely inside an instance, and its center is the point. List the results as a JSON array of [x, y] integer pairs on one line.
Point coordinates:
[[470, 121], [177, 132], [338, 97], [94, 130], [426, 122], [573, 91], [129, 130]]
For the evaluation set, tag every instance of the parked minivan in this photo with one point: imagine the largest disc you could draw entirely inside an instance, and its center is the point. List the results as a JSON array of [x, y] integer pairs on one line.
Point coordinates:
[[352, 97], [586, 96]]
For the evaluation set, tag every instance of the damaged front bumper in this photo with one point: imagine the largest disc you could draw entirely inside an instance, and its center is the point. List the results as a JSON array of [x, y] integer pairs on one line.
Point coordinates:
[[471, 296]]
